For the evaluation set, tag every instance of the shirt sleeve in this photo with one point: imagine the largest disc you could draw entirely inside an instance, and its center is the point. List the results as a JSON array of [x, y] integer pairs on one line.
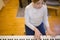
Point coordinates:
[[27, 20], [46, 23]]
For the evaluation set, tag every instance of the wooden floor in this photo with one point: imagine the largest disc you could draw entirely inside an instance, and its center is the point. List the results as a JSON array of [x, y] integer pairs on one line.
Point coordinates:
[[9, 23], [54, 22], [12, 25]]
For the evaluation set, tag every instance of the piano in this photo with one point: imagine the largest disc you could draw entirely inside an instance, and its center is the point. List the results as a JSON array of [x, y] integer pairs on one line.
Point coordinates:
[[28, 38]]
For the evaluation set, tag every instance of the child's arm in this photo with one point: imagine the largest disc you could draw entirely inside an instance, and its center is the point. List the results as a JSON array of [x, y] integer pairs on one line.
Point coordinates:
[[45, 17], [27, 20], [47, 23]]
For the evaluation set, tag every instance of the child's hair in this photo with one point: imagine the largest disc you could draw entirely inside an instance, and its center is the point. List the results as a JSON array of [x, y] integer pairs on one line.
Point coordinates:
[[37, 1]]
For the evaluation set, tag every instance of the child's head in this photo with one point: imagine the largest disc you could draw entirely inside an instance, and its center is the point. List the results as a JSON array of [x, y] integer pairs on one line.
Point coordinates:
[[37, 3], [38, 0]]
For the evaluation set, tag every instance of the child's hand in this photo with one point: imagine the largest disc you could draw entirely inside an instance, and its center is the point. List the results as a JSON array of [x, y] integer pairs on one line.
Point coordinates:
[[51, 33], [37, 34]]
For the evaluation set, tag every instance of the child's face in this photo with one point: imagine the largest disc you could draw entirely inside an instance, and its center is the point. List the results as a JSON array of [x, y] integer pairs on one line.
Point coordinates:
[[38, 4]]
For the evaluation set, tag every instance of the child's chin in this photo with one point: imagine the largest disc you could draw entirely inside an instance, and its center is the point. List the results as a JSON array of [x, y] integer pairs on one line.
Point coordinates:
[[38, 7]]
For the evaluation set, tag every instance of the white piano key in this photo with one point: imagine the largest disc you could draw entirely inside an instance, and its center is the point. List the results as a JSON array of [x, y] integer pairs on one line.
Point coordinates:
[[27, 37]]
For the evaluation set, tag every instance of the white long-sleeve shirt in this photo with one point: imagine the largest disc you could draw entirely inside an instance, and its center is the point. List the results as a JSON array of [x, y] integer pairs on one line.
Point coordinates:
[[34, 17]]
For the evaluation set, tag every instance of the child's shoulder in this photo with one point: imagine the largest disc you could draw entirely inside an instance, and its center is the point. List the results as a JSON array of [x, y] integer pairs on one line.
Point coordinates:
[[44, 6], [28, 6]]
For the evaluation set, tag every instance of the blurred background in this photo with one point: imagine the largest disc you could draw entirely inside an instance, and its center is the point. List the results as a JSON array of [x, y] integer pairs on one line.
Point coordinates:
[[12, 16]]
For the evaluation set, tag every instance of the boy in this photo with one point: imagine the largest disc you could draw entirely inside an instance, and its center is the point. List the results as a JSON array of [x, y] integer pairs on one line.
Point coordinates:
[[36, 17]]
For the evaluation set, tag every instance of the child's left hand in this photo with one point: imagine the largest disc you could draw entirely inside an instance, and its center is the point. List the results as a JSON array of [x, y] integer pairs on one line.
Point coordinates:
[[51, 33]]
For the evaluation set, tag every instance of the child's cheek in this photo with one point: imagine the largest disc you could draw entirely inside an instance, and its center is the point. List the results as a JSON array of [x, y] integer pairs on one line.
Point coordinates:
[[38, 6]]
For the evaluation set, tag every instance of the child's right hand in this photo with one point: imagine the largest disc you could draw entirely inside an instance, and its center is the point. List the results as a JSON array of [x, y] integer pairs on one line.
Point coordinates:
[[37, 34]]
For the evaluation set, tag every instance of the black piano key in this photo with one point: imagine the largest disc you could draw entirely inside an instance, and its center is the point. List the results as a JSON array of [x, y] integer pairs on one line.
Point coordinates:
[[27, 39], [7, 39], [4, 39], [33, 39], [10, 39], [51, 39], [21, 39], [45, 39], [15, 39], [57, 39]]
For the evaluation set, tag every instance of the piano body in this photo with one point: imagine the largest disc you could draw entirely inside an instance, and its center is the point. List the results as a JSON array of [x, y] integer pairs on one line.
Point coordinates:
[[28, 38]]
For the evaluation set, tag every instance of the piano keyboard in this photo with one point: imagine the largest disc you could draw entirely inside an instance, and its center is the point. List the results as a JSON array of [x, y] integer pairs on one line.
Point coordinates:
[[28, 38]]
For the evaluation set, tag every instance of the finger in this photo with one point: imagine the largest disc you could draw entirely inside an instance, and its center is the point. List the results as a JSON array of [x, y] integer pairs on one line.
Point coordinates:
[[39, 36], [38, 39], [35, 36]]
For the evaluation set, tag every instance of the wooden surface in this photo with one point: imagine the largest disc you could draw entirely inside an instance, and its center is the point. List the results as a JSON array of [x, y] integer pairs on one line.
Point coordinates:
[[56, 9], [9, 23]]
